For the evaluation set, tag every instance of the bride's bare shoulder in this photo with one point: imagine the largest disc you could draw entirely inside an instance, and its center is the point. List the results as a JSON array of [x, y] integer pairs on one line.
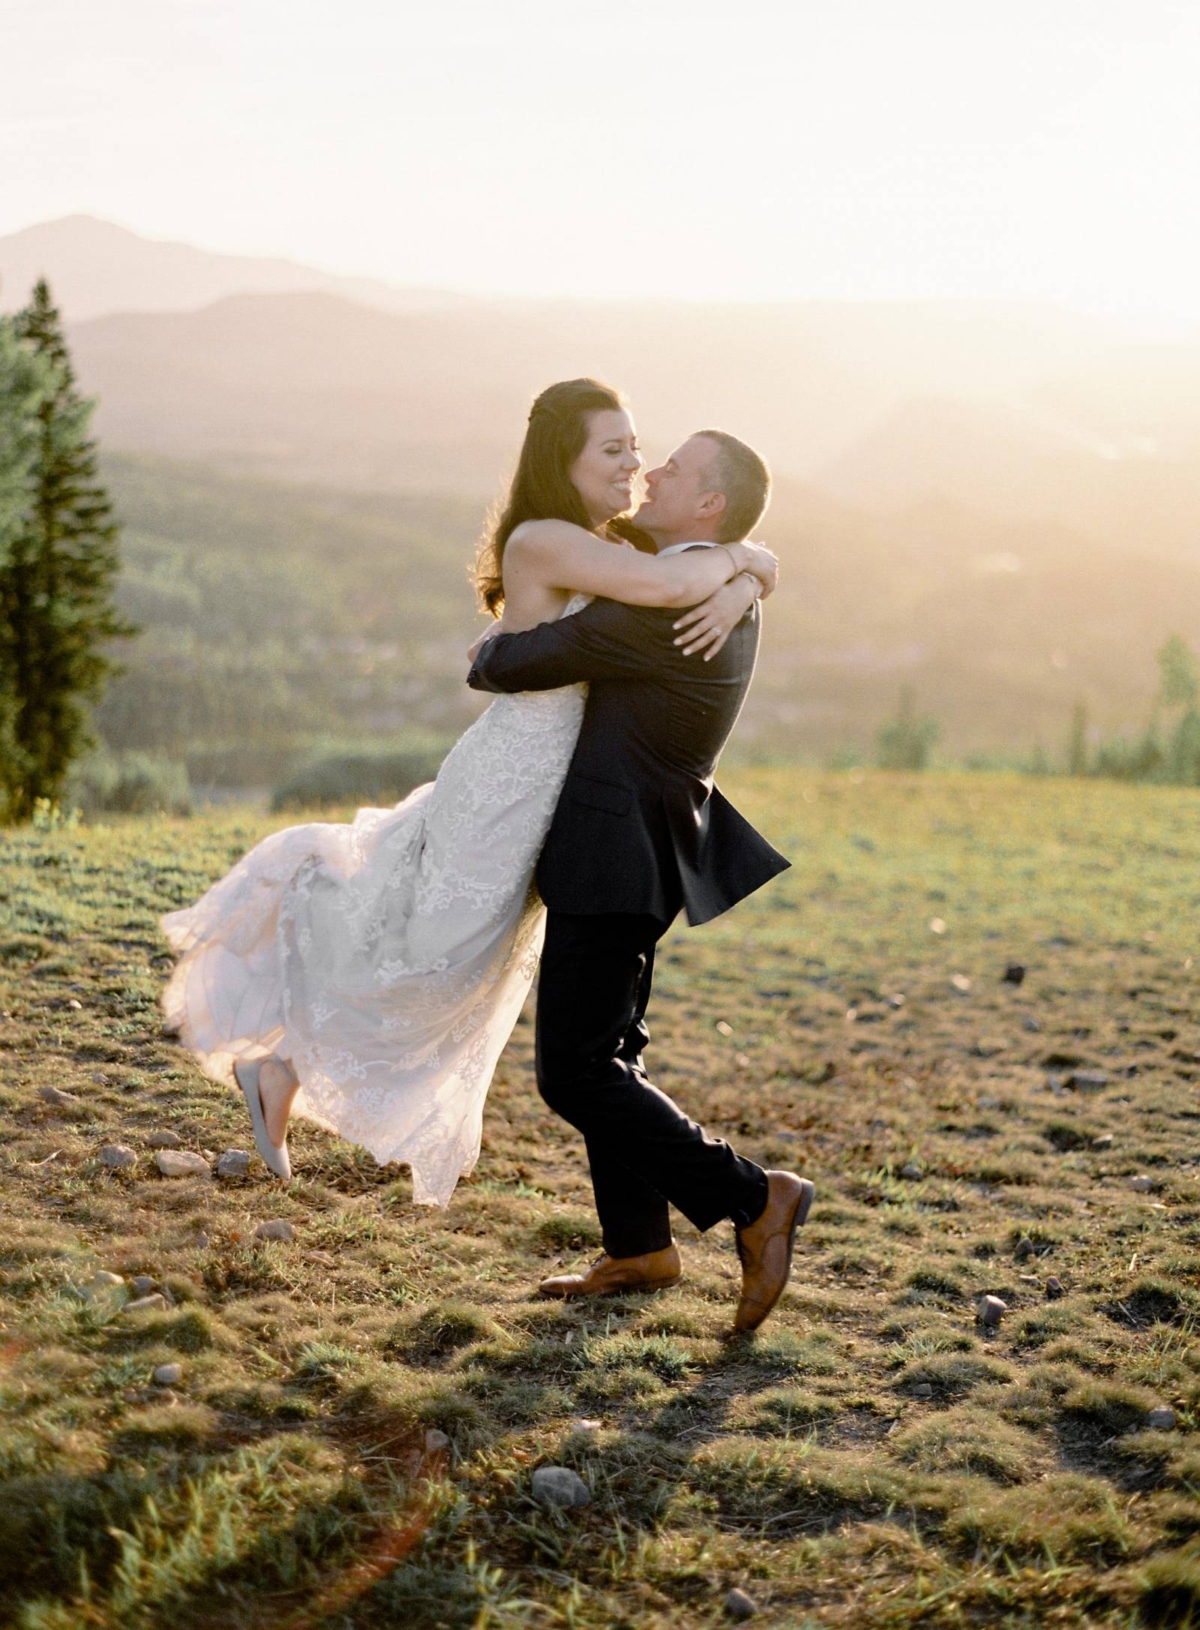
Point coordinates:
[[536, 537]]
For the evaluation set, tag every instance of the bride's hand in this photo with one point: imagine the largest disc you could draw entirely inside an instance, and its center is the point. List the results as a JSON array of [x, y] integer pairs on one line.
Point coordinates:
[[764, 563], [706, 627], [488, 634]]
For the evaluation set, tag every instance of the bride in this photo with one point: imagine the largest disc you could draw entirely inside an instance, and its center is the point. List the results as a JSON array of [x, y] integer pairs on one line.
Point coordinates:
[[367, 975]]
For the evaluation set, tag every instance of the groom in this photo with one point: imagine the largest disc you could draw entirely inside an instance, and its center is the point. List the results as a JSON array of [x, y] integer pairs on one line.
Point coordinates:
[[639, 832]]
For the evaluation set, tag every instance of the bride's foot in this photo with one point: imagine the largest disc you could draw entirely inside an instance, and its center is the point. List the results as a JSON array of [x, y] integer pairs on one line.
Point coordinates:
[[277, 1088], [269, 1086]]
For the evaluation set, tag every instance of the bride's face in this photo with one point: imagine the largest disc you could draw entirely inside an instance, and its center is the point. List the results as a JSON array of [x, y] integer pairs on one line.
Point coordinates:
[[604, 472]]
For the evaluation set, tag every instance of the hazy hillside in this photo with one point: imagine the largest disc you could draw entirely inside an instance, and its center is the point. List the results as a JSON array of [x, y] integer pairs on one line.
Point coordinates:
[[276, 614], [309, 384], [97, 268]]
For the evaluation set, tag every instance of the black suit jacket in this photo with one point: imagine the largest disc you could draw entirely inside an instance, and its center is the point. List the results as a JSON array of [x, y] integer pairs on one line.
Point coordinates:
[[639, 826]]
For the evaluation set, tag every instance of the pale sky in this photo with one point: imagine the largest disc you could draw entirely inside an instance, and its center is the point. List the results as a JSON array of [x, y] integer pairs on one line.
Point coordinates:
[[852, 149]]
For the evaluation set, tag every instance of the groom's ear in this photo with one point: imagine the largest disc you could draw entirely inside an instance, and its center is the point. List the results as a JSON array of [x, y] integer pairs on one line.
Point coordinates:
[[711, 505]]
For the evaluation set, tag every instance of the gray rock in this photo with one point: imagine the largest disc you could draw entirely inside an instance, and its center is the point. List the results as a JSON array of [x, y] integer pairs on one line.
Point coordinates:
[[141, 1284], [1054, 1084], [1142, 1184], [923, 1390], [582, 1424], [1024, 1248], [1088, 1080], [436, 1443], [233, 1163], [1104, 1141], [990, 1310], [1162, 1419], [911, 1172], [168, 1375], [164, 1140], [202, 1241], [59, 1099], [1030, 1023], [148, 1304], [277, 1228], [118, 1157], [559, 1486], [740, 1606], [1055, 1288], [179, 1163]]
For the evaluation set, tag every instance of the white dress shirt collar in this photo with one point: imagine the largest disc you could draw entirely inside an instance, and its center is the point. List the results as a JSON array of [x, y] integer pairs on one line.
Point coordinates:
[[675, 548]]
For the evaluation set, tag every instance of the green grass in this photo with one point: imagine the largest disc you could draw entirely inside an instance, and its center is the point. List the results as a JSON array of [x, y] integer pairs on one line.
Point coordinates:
[[873, 1458]]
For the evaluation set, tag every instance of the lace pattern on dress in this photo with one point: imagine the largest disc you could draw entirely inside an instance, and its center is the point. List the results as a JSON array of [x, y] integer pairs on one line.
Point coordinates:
[[389, 957]]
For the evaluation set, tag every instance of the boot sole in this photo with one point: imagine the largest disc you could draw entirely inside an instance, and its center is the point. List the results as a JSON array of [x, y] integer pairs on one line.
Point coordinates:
[[799, 1217]]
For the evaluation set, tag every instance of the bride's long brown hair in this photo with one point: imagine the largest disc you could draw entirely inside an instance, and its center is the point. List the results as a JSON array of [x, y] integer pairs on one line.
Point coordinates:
[[542, 489]]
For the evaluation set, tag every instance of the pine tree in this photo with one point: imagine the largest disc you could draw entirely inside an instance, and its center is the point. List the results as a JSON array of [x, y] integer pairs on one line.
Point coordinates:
[[25, 379], [906, 741], [56, 580]]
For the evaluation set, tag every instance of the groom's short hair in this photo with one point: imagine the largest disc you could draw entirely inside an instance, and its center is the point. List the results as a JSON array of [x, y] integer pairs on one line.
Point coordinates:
[[742, 477]]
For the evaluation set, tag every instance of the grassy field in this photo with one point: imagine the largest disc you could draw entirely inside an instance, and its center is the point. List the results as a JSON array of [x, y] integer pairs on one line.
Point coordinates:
[[358, 1412]]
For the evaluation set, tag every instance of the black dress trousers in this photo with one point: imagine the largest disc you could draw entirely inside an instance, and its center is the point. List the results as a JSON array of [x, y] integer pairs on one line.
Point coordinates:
[[644, 1152]]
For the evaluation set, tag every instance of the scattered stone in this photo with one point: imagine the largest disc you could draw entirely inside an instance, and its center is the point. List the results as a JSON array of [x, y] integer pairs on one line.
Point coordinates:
[[936, 925], [164, 1140], [202, 1241], [1024, 1248], [923, 1389], [723, 1028], [276, 1228], [1141, 1184], [1030, 1023], [1088, 1080], [559, 1486], [102, 1283], [148, 1304], [118, 1157], [436, 1442], [991, 1310], [1055, 1288], [57, 1098], [1104, 1141], [179, 1163], [1014, 974], [740, 1606], [960, 982], [141, 1284], [168, 1375], [233, 1163], [583, 1424], [1162, 1419], [896, 1000], [75, 1005], [1054, 1084], [911, 1172]]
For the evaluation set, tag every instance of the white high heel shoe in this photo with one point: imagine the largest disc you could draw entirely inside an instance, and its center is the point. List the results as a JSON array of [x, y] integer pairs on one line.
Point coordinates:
[[275, 1155]]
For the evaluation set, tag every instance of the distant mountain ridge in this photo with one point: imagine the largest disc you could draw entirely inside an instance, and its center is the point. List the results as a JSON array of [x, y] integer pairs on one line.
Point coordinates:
[[277, 370], [97, 267]]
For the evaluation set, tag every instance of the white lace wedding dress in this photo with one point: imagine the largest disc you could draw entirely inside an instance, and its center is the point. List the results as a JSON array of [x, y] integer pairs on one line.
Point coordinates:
[[388, 958]]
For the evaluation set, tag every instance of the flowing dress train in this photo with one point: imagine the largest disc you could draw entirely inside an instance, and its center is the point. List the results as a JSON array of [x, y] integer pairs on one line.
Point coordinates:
[[388, 957]]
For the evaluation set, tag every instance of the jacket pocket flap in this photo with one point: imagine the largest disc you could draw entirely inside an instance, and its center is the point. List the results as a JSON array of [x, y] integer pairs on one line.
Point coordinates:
[[607, 795]]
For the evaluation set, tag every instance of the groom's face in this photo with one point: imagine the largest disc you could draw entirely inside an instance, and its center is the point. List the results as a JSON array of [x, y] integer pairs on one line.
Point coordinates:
[[679, 492]]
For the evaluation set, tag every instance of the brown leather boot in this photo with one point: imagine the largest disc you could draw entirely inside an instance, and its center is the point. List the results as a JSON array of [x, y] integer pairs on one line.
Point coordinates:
[[607, 1276], [765, 1247]]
